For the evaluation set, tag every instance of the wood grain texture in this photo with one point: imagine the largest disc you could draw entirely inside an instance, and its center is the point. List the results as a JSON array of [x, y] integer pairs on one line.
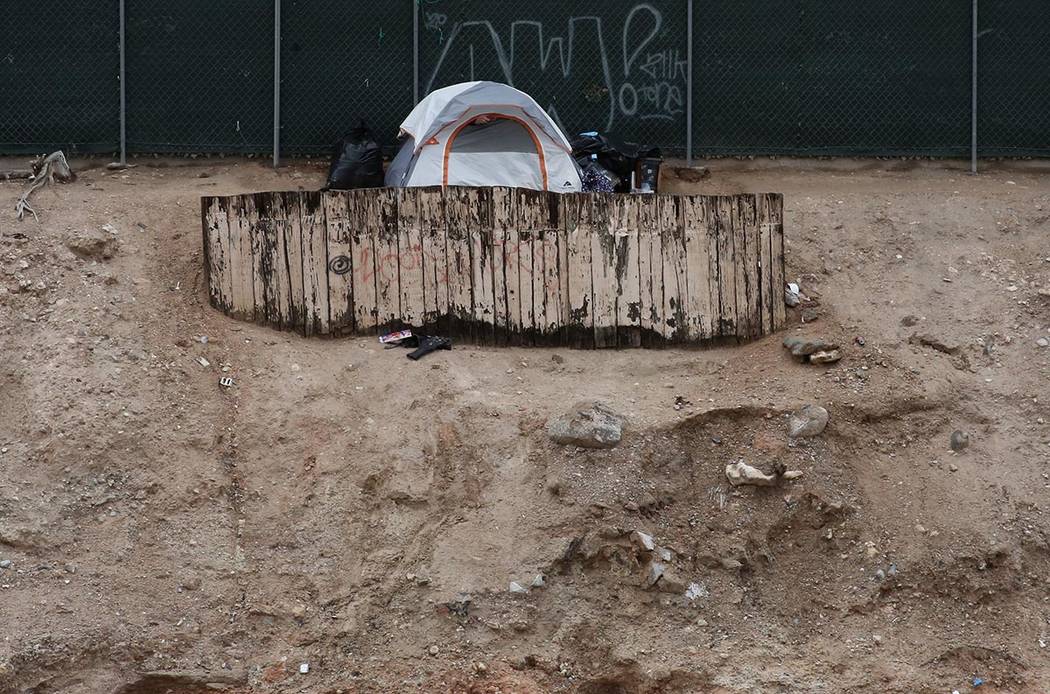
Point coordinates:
[[340, 269], [500, 266]]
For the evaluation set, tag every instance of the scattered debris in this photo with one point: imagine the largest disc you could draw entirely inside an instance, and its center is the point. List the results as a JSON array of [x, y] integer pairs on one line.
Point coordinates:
[[739, 473], [590, 424], [516, 587], [395, 338], [539, 581], [792, 295], [53, 167], [809, 421], [203, 362], [226, 382], [304, 668], [959, 440], [859, 340]]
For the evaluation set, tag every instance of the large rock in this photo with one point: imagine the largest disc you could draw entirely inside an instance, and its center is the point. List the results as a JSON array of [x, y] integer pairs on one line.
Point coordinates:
[[809, 421], [590, 424], [92, 244]]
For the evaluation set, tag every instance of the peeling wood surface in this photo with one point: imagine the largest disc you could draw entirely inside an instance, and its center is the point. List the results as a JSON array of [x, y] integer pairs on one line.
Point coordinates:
[[500, 266]]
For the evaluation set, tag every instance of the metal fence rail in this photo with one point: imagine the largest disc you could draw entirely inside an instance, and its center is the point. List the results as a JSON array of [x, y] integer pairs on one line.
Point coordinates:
[[695, 77]]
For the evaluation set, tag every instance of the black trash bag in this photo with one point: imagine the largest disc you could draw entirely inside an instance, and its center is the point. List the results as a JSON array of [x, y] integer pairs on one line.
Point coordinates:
[[620, 158], [357, 161]]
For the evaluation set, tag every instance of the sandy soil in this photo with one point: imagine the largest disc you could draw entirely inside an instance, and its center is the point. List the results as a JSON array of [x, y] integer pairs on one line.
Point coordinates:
[[346, 508]]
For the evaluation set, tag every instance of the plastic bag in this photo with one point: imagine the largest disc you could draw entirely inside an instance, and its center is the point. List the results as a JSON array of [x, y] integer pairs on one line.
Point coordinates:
[[357, 161]]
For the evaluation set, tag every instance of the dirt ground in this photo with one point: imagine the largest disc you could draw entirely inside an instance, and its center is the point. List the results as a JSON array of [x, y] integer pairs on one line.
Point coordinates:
[[345, 508]]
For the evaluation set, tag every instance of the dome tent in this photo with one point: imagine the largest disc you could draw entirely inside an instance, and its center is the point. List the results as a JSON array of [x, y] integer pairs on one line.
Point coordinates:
[[483, 134]]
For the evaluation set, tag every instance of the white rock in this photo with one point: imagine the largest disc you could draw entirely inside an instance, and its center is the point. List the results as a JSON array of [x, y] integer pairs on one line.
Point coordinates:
[[516, 587], [643, 541], [809, 421], [304, 668], [741, 473]]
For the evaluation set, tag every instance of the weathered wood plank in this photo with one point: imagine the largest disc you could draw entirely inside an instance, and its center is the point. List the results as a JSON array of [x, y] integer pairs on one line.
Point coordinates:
[[256, 229], [411, 279], [435, 267], [765, 274], [579, 330], [512, 274], [363, 229], [565, 203], [340, 268], [624, 224], [747, 207], [650, 270], [242, 269], [776, 220], [315, 263], [713, 231], [698, 305], [532, 216], [603, 270], [462, 219], [382, 221], [289, 204], [549, 319], [743, 328], [501, 224], [675, 274], [727, 290], [216, 228], [271, 205], [481, 265]]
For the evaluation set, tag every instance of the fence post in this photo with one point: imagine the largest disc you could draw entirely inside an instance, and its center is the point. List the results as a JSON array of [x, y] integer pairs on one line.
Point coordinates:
[[276, 83], [123, 94], [415, 51], [973, 93], [689, 84]]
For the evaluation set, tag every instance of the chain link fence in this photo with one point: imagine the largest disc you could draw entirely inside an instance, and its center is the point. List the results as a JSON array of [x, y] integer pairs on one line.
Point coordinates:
[[803, 77]]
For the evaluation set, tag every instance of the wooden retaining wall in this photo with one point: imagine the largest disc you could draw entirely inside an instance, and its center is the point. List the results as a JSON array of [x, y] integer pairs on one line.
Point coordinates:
[[500, 266]]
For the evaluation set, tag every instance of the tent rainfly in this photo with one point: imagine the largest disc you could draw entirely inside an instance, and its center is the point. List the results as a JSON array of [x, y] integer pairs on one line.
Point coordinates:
[[483, 134]]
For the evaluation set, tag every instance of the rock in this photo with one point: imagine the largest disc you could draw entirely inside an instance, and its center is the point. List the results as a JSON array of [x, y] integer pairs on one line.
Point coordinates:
[[539, 581], [642, 541], [5, 564], [92, 244], [671, 582], [590, 424], [1043, 342], [910, 320], [656, 572], [934, 342], [516, 587], [959, 440], [809, 315], [433, 650], [741, 473], [664, 553], [825, 357], [791, 298], [809, 421], [813, 350], [953, 467], [557, 359], [304, 668], [792, 474], [877, 639]]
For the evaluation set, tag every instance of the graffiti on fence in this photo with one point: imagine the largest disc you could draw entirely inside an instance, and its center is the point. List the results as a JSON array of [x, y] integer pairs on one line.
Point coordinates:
[[573, 69]]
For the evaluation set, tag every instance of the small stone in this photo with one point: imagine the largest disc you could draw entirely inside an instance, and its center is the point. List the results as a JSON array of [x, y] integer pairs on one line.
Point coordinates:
[[642, 541], [590, 424], [825, 357], [959, 440], [5, 564], [877, 639], [892, 570], [664, 553], [557, 359], [539, 581], [516, 587], [92, 245], [731, 564], [433, 650], [304, 668], [809, 421], [880, 575], [656, 572], [1043, 342], [809, 315], [953, 467], [805, 346], [741, 473]]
